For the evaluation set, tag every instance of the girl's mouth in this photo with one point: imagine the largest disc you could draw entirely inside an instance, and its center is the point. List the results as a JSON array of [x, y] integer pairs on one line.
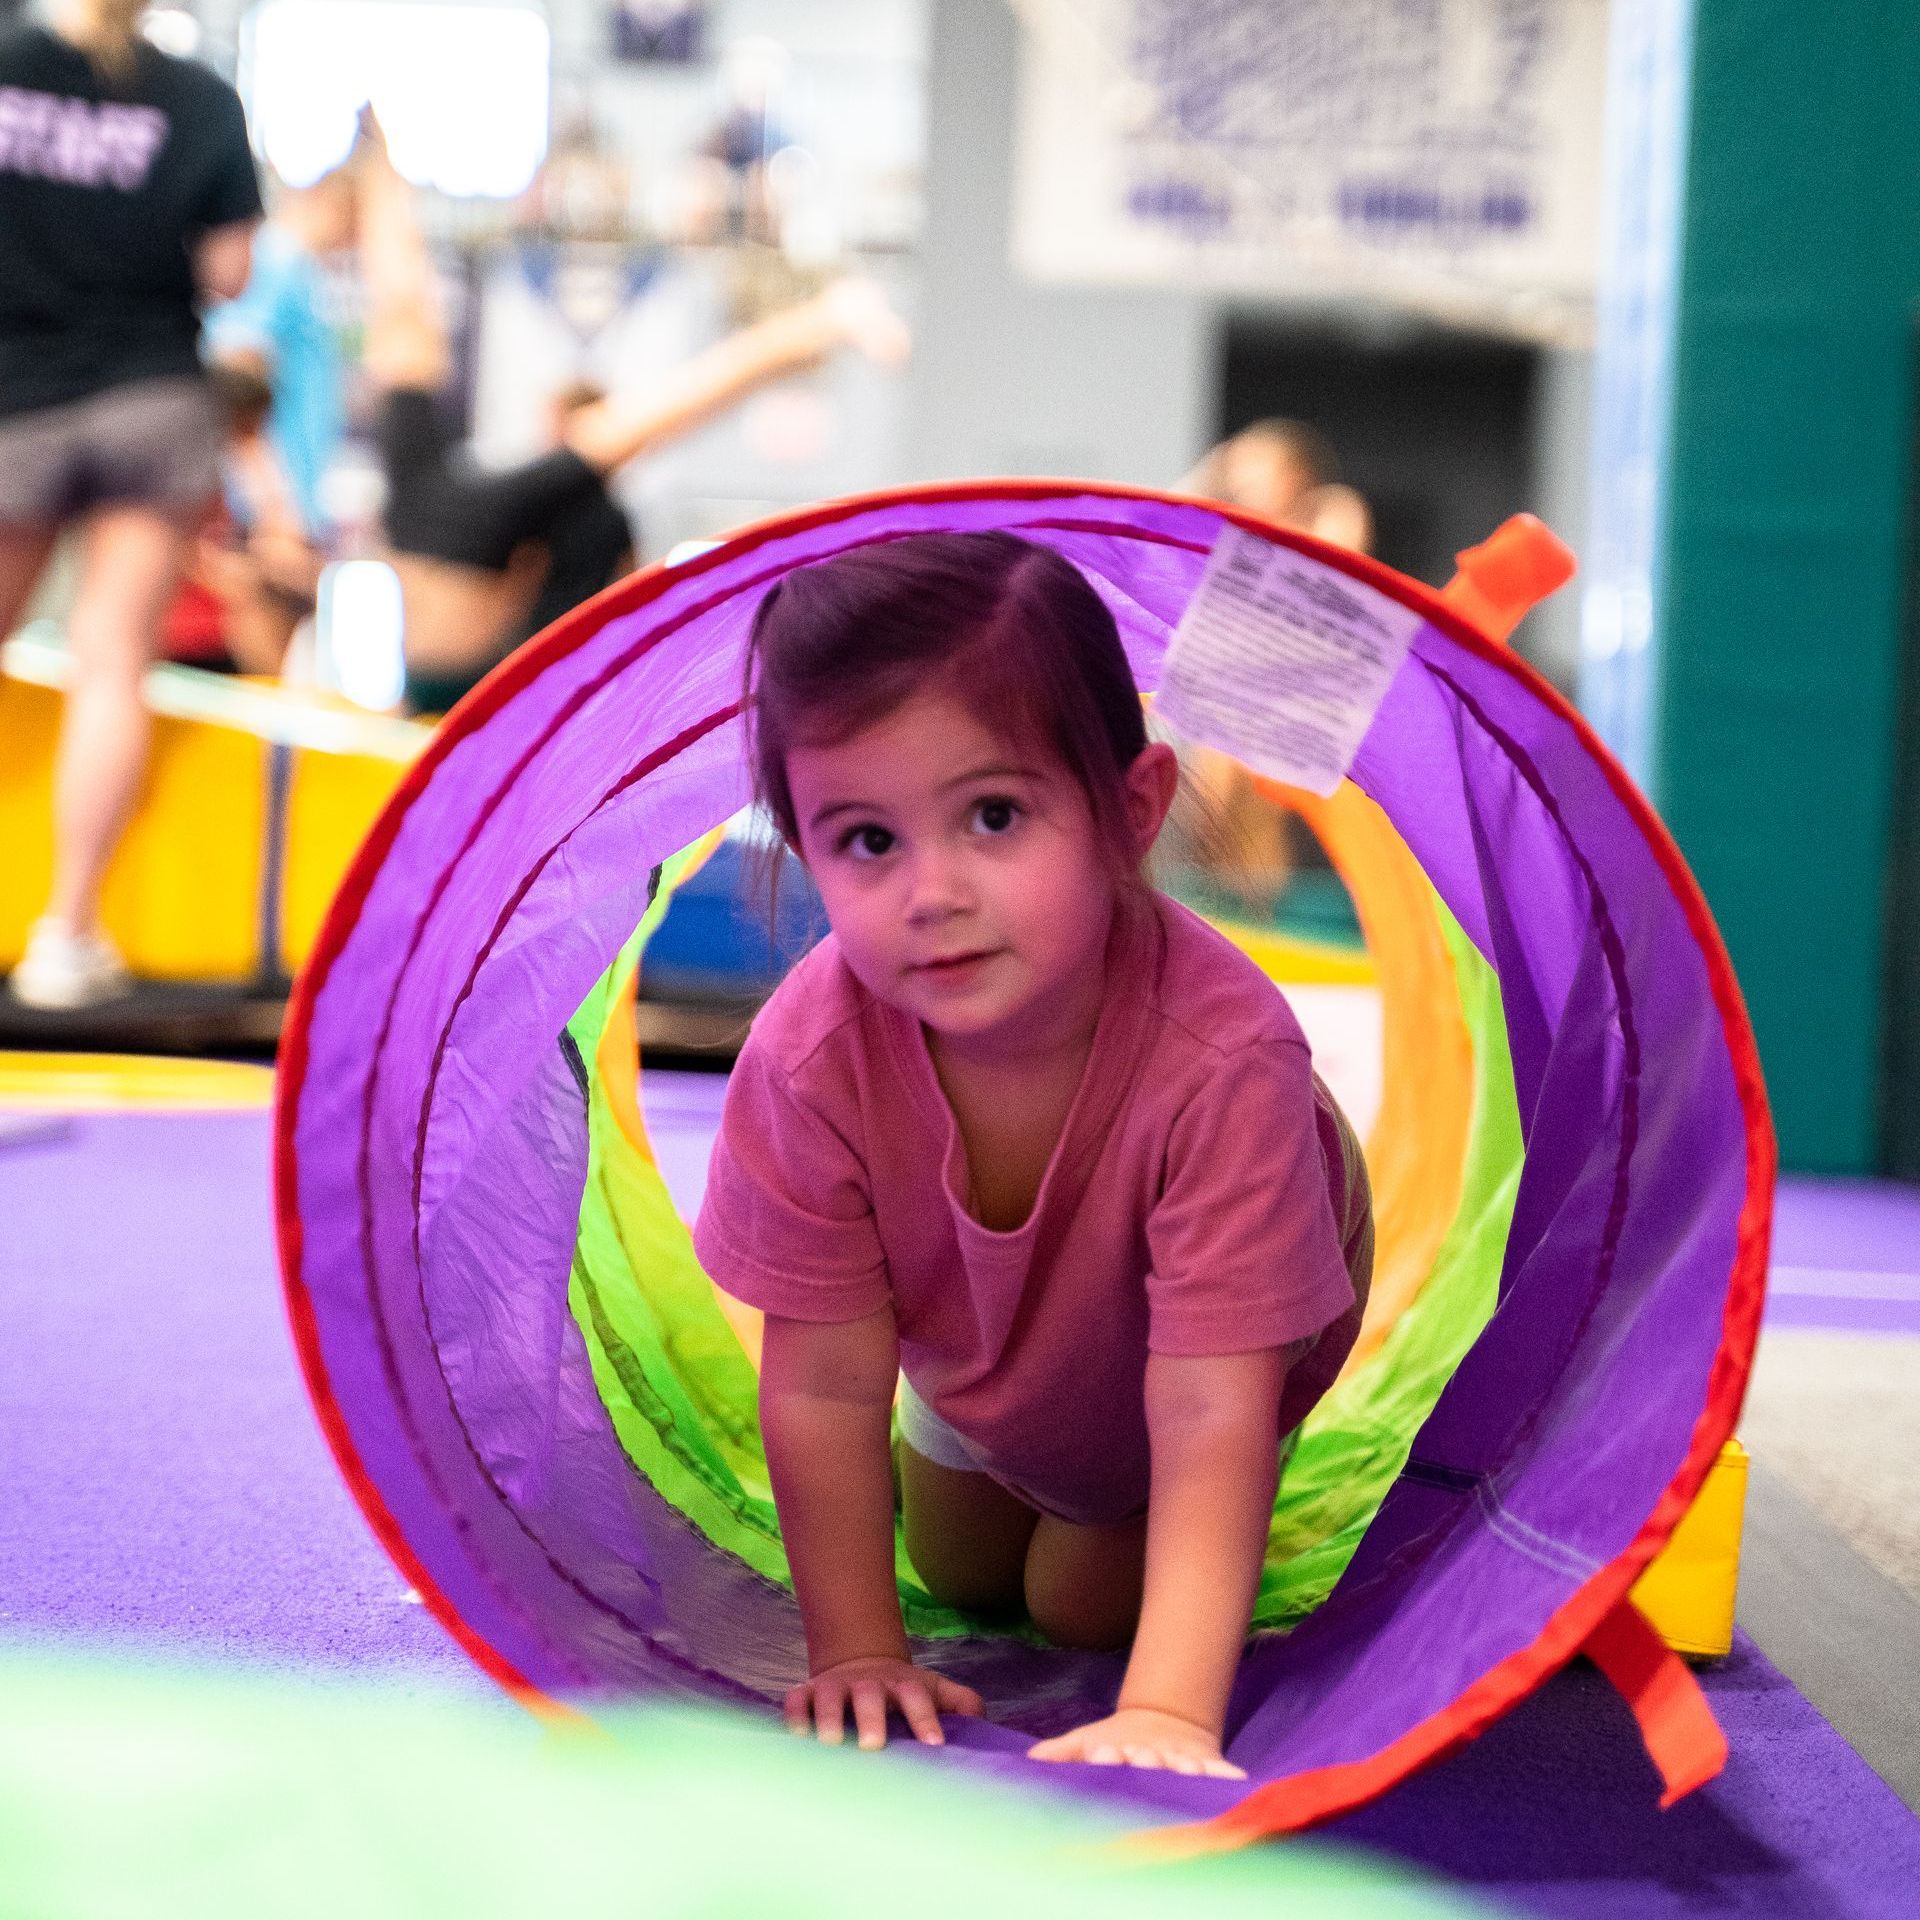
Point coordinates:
[[956, 967]]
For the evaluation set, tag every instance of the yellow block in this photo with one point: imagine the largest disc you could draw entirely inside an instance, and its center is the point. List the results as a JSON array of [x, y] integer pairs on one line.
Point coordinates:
[[181, 898], [116, 1082], [1688, 1591], [1288, 961], [183, 893]]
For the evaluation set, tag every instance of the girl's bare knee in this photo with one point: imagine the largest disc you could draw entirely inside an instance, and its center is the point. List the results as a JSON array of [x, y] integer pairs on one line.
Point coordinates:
[[966, 1589], [1083, 1585], [960, 1570], [1092, 1623], [966, 1536]]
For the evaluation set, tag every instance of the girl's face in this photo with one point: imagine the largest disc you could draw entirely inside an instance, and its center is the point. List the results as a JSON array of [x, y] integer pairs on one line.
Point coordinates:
[[964, 877]]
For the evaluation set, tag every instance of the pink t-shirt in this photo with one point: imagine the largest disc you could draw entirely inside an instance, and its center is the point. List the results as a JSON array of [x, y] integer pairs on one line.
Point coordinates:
[[1205, 1197]]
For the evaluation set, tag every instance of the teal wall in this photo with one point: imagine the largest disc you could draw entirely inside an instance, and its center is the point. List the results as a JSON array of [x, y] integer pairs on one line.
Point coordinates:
[[1775, 553]]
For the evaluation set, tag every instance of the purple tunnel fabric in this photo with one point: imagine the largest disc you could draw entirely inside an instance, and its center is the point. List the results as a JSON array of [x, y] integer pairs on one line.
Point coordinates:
[[432, 1152]]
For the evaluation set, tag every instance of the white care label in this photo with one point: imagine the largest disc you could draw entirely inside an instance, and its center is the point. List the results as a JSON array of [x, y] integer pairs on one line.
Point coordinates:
[[1282, 662]]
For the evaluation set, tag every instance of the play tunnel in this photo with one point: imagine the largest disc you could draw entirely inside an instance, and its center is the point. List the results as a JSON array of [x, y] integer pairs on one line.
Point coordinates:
[[548, 1414]]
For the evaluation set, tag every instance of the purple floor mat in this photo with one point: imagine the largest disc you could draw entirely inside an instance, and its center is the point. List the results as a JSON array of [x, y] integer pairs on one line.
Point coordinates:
[[1846, 1257], [1864, 1226], [1555, 1811], [170, 1491], [166, 1481]]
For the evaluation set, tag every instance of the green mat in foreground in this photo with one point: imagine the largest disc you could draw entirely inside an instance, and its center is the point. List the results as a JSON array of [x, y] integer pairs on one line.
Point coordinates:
[[141, 1796]]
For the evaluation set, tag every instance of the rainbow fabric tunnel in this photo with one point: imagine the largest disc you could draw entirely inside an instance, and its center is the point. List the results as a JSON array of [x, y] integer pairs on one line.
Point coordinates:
[[548, 1415]]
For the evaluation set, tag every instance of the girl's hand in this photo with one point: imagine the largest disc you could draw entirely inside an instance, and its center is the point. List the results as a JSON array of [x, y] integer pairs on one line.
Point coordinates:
[[1142, 1737], [871, 1687]]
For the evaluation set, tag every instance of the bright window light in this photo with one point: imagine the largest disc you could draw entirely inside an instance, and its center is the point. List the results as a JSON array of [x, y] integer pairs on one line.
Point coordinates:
[[360, 623], [461, 90]]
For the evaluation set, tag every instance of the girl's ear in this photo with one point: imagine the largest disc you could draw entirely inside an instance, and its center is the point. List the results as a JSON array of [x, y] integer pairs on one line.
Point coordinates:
[[1152, 781]]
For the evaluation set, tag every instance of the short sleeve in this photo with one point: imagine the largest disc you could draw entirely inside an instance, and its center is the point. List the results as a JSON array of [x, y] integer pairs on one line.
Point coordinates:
[[1244, 1248], [787, 1222], [232, 189]]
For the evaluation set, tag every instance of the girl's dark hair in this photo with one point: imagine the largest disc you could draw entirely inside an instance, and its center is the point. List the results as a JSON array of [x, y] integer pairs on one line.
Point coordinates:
[[1008, 628]]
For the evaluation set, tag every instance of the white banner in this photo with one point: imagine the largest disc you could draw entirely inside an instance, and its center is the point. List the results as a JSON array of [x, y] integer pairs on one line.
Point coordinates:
[[1438, 154]]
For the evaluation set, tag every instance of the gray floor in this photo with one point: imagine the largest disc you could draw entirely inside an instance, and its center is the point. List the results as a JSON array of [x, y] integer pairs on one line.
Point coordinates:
[[1838, 1628], [1830, 1574], [1836, 1416]]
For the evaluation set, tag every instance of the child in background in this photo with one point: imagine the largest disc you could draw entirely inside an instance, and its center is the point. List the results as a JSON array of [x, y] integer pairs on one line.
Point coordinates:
[[1029, 1133], [252, 573]]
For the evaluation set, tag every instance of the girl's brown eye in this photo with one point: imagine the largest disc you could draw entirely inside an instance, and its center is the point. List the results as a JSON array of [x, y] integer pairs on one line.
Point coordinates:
[[868, 843], [996, 815]]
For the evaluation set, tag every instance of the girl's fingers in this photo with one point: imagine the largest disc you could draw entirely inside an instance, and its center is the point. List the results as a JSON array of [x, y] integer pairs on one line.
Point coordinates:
[[829, 1704], [822, 1706], [798, 1709], [870, 1713], [951, 1697], [916, 1708], [1105, 1753]]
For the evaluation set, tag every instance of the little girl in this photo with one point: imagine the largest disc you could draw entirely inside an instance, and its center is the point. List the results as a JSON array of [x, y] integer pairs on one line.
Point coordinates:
[[1029, 1133]]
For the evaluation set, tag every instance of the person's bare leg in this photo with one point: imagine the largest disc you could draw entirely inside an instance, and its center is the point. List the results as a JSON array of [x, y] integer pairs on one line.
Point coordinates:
[[24, 552], [130, 562], [1083, 1584], [966, 1535]]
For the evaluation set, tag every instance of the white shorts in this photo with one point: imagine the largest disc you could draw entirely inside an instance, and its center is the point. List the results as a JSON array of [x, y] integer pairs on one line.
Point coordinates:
[[933, 1438], [938, 1440]]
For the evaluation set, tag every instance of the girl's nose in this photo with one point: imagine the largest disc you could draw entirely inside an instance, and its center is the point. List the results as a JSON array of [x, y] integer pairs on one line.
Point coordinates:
[[936, 888]]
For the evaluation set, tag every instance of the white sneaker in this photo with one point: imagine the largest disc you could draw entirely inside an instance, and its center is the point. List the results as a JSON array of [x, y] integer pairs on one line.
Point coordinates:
[[62, 971]]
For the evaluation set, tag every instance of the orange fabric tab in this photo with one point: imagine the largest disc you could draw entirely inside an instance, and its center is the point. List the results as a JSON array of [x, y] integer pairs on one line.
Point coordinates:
[[1682, 1737], [1508, 574]]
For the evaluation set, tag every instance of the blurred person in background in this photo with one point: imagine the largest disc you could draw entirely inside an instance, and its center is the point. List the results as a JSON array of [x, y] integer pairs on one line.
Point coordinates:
[[127, 196], [487, 558], [1285, 471], [252, 574], [1229, 847], [279, 325]]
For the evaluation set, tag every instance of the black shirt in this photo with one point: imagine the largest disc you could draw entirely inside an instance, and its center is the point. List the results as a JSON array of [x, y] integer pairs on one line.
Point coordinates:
[[104, 186], [588, 548]]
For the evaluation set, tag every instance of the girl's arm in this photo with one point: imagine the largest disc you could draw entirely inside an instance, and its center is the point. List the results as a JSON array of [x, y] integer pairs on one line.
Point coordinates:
[[1213, 1425], [826, 1399]]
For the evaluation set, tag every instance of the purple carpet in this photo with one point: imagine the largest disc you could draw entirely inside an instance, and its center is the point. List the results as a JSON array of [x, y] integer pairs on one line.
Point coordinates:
[[169, 1491], [167, 1485], [1846, 1257]]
